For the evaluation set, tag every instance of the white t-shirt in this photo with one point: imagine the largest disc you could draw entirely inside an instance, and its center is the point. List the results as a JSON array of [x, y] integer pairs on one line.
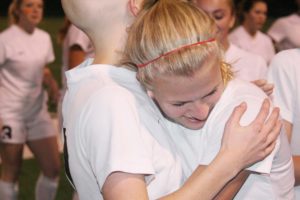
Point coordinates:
[[285, 31], [277, 178], [73, 37], [284, 72], [23, 57], [245, 65], [112, 125], [260, 44]]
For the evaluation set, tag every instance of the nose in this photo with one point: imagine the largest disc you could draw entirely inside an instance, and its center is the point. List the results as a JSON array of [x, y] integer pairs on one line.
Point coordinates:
[[200, 110]]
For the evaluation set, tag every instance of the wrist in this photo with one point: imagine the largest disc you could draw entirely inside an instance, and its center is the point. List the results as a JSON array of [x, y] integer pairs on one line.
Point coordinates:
[[231, 163]]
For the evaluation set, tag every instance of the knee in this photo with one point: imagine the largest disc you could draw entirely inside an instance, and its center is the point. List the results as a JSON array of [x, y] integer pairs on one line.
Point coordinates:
[[52, 170]]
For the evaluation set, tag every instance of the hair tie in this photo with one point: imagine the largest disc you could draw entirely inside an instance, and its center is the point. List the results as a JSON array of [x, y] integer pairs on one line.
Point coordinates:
[[175, 50]]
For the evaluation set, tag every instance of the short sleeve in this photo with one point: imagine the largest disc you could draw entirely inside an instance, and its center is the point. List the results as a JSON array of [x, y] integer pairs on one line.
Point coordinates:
[[282, 76], [277, 31], [50, 54], [215, 132], [2, 52], [78, 37], [115, 137]]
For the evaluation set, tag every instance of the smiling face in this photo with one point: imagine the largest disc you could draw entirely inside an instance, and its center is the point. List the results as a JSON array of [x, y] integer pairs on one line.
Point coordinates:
[[256, 17], [188, 101], [30, 12], [221, 11]]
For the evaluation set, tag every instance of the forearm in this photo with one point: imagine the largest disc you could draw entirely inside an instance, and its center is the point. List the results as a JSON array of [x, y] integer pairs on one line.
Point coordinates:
[[51, 85], [233, 187], [297, 169], [206, 183]]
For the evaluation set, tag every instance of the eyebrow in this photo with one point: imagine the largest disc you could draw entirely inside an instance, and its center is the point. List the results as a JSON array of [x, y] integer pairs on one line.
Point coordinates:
[[209, 93]]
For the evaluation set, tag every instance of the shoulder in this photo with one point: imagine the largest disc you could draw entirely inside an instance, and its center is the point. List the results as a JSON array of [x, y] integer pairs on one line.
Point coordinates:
[[243, 89], [286, 60], [9, 33]]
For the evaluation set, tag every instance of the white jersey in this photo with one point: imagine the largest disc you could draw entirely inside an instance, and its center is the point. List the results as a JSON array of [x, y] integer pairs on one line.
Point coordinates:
[[284, 72], [260, 44], [285, 32], [112, 125], [245, 65], [276, 180], [73, 37], [23, 57]]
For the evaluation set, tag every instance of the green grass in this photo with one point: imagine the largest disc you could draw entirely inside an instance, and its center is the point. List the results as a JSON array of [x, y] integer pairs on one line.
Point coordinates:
[[29, 175]]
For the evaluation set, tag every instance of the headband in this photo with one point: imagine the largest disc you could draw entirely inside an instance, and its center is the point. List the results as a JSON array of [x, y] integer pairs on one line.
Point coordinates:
[[175, 50]]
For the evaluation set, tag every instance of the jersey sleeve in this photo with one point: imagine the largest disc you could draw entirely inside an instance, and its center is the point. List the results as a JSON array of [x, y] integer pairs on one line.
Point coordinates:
[[217, 128], [50, 54], [78, 37], [282, 76], [115, 139], [277, 31]]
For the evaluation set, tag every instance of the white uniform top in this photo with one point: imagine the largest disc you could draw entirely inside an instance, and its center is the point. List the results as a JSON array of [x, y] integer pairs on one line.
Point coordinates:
[[260, 44], [245, 65], [284, 72], [112, 125], [285, 31], [23, 57], [73, 37], [277, 180]]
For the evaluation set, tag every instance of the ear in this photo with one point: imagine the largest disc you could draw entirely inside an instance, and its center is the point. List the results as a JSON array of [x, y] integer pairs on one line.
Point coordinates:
[[232, 21], [134, 6]]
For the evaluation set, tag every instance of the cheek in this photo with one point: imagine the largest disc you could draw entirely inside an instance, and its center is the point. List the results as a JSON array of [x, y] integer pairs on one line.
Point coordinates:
[[172, 112], [26, 11]]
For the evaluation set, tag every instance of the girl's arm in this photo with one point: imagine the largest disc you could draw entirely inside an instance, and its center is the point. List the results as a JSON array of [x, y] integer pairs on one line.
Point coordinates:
[[241, 147]]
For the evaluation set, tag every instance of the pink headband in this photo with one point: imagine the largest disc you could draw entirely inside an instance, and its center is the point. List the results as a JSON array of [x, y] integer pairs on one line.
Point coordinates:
[[173, 51]]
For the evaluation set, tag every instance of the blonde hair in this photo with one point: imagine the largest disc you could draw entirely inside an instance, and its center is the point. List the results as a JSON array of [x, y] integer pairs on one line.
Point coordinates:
[[163, 27]]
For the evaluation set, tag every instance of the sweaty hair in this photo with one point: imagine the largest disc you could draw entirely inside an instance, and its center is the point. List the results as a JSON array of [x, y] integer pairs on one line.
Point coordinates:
[[167, 25]]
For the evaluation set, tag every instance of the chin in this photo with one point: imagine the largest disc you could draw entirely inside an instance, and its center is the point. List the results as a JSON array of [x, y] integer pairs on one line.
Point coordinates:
[[193, 126]]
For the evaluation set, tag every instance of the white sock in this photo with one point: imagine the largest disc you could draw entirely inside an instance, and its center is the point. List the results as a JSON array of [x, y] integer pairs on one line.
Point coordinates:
[[8, 191], [45, 188]]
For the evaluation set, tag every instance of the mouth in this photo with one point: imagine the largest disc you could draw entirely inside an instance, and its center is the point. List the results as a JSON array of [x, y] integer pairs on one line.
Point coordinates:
[[195, 120]]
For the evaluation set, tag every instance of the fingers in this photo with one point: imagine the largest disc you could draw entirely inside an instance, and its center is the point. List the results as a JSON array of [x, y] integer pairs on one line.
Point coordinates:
[[272, 136], [264, 85], [237, 114], [268, 88], [263, 113], [269, 149], [272, 120], [260, 82]]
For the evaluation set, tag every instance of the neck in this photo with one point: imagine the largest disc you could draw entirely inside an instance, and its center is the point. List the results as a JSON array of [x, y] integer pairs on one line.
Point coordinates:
[[225, 43], [251, 31], [27, 28], [109, 47]]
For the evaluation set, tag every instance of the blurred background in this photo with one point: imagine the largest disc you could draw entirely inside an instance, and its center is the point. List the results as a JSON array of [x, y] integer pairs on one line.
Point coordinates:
[[52, 22]]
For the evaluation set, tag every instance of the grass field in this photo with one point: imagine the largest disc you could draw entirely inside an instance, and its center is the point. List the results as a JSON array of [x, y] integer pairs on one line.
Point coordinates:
[[30, 170]]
